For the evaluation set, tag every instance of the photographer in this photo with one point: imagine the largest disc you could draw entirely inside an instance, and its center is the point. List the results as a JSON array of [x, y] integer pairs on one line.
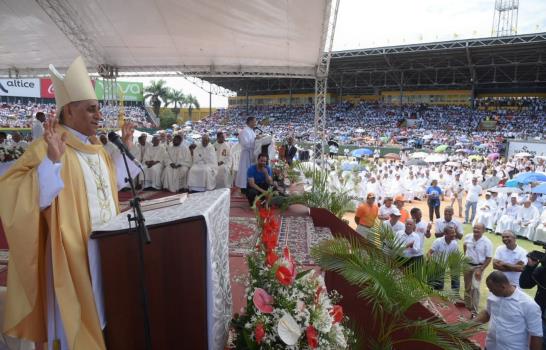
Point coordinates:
[[535, 275]]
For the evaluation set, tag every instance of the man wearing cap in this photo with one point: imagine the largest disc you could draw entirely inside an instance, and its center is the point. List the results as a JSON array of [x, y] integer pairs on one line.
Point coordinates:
[[62, 186], [365, 215], [399, 203], [394, 221], [386, 209]]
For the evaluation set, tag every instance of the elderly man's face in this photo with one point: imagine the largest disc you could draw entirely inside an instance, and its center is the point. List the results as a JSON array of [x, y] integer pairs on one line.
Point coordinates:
[[477, 231], [83, 116], [508, 239], [205, 140]]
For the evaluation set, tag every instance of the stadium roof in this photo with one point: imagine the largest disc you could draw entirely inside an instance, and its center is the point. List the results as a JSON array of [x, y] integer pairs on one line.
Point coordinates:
[[204, 38], [503, 63]]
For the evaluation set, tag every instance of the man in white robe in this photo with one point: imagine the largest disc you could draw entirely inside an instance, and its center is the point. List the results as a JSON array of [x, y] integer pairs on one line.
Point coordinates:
[[177, 163], [17, 140], [223, 155], [235, 157], [487, 209], [507, 221], [527, 219], [540, 231], [153, 165], [247, 139], [38, 126], [202, 175]]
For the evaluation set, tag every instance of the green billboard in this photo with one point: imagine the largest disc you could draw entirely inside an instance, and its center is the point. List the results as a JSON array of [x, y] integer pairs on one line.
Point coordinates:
[[129, 90]]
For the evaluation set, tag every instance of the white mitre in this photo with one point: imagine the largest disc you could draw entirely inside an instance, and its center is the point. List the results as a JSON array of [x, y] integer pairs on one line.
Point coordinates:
[[74, 86]]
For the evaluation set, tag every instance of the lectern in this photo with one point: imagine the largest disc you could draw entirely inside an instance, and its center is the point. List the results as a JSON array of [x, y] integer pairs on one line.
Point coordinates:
[[187, 276]]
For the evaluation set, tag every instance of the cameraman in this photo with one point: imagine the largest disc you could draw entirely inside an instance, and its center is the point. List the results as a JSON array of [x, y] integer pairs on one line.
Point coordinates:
[[535, 275]]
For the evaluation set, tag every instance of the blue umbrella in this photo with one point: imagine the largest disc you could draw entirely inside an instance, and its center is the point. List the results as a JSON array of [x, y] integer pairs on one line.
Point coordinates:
[[540, 189], [361, 152], [527, 178]]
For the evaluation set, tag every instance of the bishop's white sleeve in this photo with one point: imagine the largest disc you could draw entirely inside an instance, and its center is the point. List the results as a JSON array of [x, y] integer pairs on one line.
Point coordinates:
[[50, 182], [121, 172]]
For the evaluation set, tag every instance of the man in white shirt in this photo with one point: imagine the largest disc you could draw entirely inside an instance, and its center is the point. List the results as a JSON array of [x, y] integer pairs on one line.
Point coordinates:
[[38, 126], [202, 175], [442, 247], [510, 258], [516, 321], [177, 163], [411, 242], [479, 250], [447, 220], [472, 195], [394, 221], [457, 190], [421, 228], [386, 209]]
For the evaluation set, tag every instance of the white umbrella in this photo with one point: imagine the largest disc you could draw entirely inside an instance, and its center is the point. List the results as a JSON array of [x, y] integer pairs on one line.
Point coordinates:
[[360, 130], [523, 154], [427, 137], [418, 155], [505, 189], [456, 164], [436, 158]]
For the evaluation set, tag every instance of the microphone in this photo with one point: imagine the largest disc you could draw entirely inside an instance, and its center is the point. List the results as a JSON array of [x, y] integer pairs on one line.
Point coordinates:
[[116, 140], [260, 130]]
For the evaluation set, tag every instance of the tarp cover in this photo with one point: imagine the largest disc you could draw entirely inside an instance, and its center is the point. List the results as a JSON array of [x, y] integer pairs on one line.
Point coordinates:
[[273, 36]]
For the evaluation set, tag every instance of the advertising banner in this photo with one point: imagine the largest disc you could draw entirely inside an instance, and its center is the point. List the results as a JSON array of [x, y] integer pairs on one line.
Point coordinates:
[[20, 87], [46, 88], [129, 90], [535, 148]]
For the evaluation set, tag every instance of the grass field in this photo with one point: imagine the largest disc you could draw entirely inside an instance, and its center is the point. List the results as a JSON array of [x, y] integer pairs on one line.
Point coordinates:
[[495, 239]]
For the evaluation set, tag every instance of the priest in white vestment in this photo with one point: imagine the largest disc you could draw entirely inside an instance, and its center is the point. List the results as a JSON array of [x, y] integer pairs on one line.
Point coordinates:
[[223, 155], [177, 163], [540, 231], [17, 140], [235, 157], [507, 221], [153, 165], [202, 175], [527, 220], [487, 209], [247, 139]]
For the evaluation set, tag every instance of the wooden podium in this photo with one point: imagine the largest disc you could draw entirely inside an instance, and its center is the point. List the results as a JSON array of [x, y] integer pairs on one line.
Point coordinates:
[[182, 277]]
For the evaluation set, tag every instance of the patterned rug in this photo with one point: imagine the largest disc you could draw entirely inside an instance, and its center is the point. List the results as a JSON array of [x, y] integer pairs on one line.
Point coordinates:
[[241, 235], [299, 233]]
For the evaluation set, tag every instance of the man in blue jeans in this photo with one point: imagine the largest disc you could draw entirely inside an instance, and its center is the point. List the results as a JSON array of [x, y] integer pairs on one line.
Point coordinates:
[[473, 193], [259, 178]]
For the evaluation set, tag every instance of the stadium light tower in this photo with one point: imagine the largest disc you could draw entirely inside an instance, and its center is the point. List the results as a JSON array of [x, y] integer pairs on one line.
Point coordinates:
[[505, 18]]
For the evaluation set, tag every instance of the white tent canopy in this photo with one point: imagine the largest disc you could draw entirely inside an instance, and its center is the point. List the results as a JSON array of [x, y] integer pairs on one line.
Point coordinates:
[[202, 38]]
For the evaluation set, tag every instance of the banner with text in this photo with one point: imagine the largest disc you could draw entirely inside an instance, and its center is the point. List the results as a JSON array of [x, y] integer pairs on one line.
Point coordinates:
[[129, 90], [20, 87], [47, 90], [533, 148]]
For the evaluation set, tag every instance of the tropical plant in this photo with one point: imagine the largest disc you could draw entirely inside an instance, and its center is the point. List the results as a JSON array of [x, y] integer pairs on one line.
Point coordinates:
[[167, 118], [337, 202], [177, 98], [391, 286], [191, 102], [157, 91]]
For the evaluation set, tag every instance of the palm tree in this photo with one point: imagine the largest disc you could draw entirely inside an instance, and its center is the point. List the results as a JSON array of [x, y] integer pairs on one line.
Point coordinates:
[[191, 102], [157, 91], [176, 97], [377, 269]]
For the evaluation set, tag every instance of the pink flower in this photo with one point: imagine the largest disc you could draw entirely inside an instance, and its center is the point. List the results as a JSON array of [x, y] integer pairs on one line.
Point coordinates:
[[263, 301]]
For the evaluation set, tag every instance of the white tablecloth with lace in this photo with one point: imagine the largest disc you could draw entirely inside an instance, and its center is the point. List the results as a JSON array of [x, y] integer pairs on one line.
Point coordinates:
[[214, 207]]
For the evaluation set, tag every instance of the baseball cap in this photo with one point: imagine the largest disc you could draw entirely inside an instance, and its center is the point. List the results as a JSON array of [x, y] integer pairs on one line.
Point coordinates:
[[370, 195], [395, 212]]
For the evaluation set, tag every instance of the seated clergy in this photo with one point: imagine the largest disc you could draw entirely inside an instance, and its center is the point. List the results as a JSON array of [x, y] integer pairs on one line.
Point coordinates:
[[487, 210], [153, 165], [223, 155], [177, 164], [527, 219], [202, 175], [260, 178], [507, 220]]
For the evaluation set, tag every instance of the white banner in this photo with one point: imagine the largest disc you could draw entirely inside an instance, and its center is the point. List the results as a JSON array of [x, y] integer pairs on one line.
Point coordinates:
[[537, 148], [20, 87]]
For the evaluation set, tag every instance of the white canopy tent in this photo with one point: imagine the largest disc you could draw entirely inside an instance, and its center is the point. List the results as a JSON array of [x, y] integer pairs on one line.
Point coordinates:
[[200, 38]]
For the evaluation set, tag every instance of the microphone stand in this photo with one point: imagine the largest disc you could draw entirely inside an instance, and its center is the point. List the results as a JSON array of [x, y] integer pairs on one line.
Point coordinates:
[[143, 237]]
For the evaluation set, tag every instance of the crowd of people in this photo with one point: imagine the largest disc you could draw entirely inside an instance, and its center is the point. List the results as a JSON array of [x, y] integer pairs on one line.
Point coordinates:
[[21, 115]]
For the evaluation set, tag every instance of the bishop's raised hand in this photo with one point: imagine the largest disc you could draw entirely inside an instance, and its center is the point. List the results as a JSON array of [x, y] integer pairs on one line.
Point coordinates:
[[56, 141]]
